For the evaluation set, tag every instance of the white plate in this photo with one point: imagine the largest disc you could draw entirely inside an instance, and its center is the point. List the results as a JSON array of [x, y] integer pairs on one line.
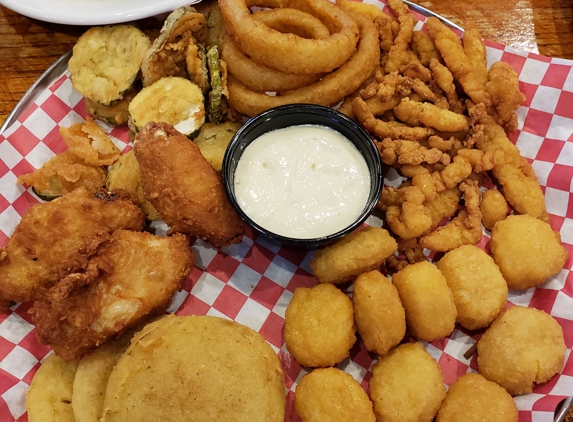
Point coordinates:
[[92, 12]]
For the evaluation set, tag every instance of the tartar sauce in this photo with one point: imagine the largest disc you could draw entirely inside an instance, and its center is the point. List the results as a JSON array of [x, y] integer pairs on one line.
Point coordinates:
[[302, 182]]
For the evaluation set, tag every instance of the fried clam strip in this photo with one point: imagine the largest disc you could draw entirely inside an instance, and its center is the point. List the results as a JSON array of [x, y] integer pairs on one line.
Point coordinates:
[[445, 81], [408, 152], [464, 229], [423, 46], [503, 86], [382, 129], [417, 113], [405, 213], [290, 53], [450, 47], [513, 172], [329, 90], [476, 53], [168, 56]]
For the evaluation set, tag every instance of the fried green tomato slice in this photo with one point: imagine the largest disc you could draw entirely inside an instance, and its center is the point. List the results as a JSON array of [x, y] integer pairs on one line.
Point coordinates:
[[106, 61]]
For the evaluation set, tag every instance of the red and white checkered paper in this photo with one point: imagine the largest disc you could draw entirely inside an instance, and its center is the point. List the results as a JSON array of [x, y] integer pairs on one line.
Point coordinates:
[[253, 282]]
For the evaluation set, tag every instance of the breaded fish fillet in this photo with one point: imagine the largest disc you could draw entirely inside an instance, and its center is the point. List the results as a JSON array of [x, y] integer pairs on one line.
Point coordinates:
[[58, 237], [183, 187], [132, 276]]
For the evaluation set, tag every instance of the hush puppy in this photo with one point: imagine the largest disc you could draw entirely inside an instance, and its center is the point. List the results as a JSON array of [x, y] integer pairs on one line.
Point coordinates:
[[332, 395], [526, 250], [407, 385], [319, 326], [523, 347], [354, 254], [480, 291], [478, 400], [427, 299], [378, 312]]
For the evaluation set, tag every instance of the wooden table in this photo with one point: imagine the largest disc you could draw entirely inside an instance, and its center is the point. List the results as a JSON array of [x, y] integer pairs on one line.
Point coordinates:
[[28, 47]]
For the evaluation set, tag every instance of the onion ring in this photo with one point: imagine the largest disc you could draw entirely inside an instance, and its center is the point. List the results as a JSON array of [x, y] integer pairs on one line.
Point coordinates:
[[290, 53], [259, 77], [293, 21], [329, 90]]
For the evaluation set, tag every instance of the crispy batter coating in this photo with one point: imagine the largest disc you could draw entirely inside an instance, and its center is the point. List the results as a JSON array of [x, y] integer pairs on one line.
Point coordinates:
[[427, 299], [480, 291], [503, 86], [332, 395], [522, 348], [183, 187], [445, 81], [89, 142], [475, 399], [62, 174], [493, 208], [407, 385], [58, 237], [319, 326], [378, 312], [424, 48], [527, 251], [50, 394], [356, 253], [196, 368], [131, 277], [429, 115]]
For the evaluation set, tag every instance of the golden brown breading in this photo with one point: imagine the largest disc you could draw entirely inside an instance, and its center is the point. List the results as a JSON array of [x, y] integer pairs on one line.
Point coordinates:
[[58, 237], [131, 277], [523, 347], [503, 86], [358, 252], [90, 142], [183, 187], [493, 208]]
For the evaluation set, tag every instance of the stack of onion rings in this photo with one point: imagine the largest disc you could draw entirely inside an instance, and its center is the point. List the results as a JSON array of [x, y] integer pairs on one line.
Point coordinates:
[[247, 94]]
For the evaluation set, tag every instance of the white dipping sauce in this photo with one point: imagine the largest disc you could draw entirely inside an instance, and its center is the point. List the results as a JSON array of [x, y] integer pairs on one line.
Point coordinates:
[[302, 181]]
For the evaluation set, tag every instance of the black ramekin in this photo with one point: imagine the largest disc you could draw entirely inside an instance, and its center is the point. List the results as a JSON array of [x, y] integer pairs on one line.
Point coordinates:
[[303, 114]]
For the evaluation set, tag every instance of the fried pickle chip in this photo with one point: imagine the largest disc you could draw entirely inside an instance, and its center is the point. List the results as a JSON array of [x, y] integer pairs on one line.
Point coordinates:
[[89, 142], [378, 312], [480, 291], [50, 395], [427, 299], [523, 347], [358, 252], [526, 250], [332, 395], [198, 368], [319, 326], [106, 61], [407, 385], [213, 140], [91, 378], [477, 399]]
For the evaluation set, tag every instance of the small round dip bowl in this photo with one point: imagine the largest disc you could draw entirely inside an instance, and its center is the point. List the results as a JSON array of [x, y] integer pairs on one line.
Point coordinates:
[[304, 115]]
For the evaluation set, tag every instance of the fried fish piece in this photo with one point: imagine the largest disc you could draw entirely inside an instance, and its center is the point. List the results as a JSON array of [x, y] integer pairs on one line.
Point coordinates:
[[58, 237], [132, 276], [183, 187]]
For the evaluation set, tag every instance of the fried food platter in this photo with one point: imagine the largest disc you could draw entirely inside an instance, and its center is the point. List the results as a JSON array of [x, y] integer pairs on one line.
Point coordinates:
[[222, 282], [88, 12]]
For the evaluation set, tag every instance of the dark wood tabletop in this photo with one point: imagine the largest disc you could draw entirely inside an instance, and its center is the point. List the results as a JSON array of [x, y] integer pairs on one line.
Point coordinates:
[[28, 47]]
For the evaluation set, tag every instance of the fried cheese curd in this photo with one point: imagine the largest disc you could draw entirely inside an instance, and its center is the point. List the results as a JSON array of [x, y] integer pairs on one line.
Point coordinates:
[[354, 254], [427, 300], [319, 326], [378, 312], [472, 398], [527, 251], [332, 395], [480, 291], [407, 385], [50, 395], [522, 348], [196, 368]]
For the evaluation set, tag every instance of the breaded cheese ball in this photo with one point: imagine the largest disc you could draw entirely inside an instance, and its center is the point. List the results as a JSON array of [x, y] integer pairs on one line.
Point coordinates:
[[527, 251], [407, 385], [493, 207], [332, 395], [427, 299], [472, 398], [319, 326], [523, 347], [378, 312], [354, 254], [480, 291]]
